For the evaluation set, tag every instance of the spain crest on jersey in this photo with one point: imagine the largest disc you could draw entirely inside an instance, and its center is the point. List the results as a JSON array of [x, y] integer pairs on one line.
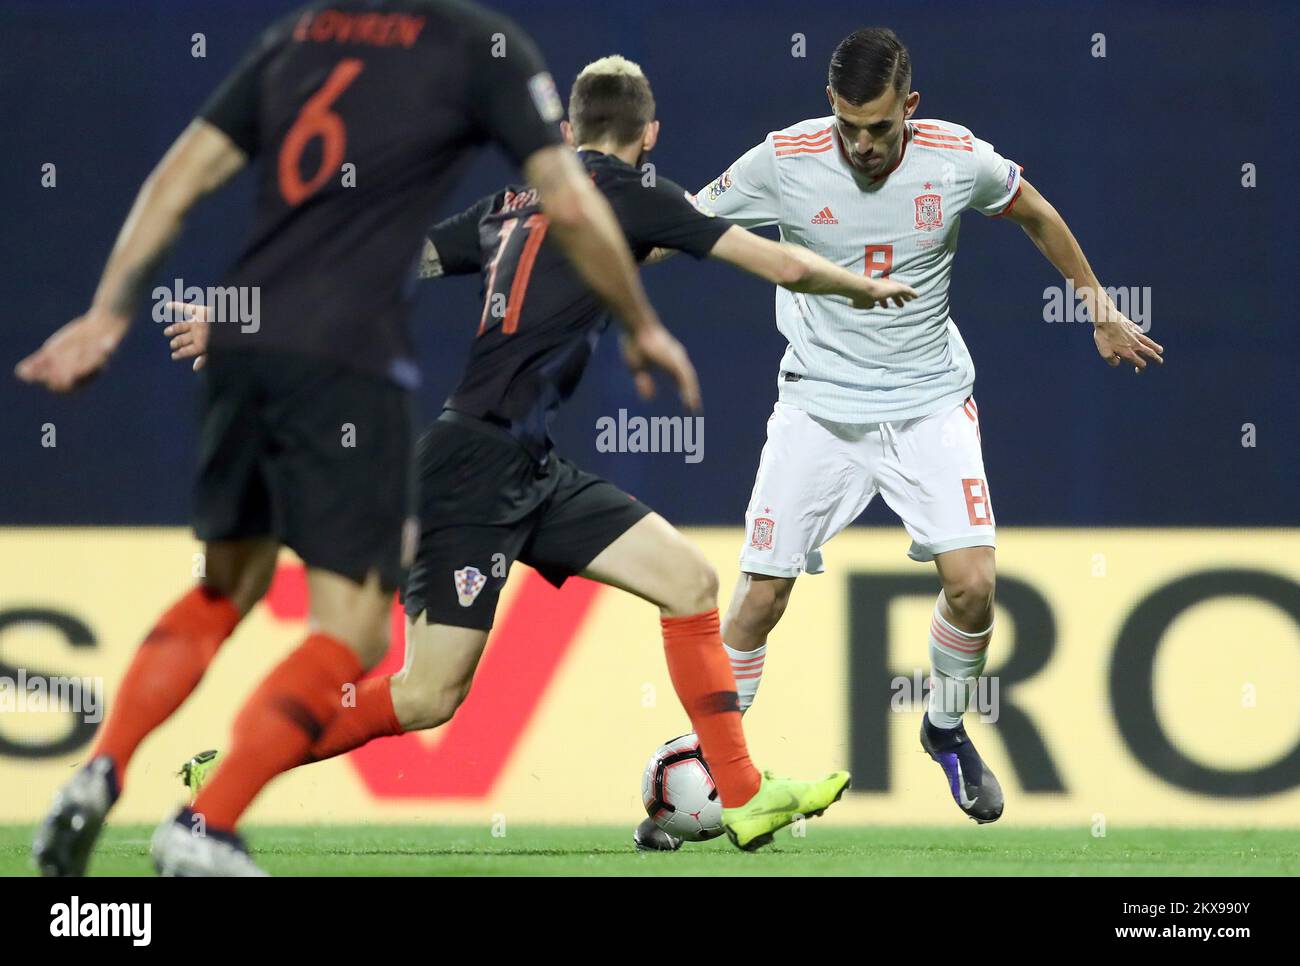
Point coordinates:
[[929, 212], [469, 581], [761, 539]]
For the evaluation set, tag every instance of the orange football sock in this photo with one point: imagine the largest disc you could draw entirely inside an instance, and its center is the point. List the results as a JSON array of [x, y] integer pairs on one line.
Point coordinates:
[[167, 666], [372, 717], [287, 713], [702, 678]]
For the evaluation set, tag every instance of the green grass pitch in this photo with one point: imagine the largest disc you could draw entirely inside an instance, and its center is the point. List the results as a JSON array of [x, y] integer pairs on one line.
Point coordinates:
[[829, 850]]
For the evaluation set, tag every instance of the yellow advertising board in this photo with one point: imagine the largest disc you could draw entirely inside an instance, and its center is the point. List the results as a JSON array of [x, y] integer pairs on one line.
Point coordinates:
[[1142, 677]]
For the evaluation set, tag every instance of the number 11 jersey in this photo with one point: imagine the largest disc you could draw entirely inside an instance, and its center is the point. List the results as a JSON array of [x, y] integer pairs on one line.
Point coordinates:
[[540, 323]]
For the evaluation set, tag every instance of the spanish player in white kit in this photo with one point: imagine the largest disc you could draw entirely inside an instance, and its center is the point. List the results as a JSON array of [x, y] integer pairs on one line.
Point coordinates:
[[874, 402]]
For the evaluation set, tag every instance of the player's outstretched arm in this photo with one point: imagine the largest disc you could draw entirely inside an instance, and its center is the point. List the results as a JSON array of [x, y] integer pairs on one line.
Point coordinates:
[[451, 247], [801, 270], [200, 161], [1116, 336], [583, 224]]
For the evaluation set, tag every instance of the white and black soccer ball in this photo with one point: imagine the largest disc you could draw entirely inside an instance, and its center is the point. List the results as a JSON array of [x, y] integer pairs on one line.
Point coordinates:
[[678, 791]]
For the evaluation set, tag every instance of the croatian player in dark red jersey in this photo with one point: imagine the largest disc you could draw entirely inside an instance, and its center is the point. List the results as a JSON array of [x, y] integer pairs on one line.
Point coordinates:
[[404, 90], [492, 489]]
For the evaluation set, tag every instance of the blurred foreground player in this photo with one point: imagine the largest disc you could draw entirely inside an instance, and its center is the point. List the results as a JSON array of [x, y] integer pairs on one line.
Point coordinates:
[[492, 489], [403, 90]]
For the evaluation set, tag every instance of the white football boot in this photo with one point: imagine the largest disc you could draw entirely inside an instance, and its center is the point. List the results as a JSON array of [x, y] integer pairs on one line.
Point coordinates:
[[67, 834], [179, 850]]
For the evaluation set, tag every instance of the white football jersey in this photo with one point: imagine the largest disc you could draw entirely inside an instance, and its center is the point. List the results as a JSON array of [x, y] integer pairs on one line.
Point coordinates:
[[878, 365]]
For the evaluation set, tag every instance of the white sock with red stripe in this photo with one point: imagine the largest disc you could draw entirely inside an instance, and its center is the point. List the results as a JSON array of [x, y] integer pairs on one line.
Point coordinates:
[[747, 666], [956, 660]]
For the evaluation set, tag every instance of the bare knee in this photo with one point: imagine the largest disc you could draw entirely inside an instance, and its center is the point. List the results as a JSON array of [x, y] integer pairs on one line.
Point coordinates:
[[695, 584], [420, 703], [367, 639], [371, 642], [970, 596], [240, 570], [757, 607], [357, 615], [439, 668]]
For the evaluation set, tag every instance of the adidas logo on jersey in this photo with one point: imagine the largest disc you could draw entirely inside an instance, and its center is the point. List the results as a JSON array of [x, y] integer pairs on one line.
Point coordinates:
[[824, 217]]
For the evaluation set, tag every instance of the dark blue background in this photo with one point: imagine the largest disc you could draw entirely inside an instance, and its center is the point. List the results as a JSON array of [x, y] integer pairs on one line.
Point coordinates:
[[1141, 151]]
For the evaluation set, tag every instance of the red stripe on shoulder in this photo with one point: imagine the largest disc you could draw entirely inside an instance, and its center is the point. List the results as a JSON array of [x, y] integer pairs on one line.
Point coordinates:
[[944, 145], [804, 150], [798, 138], [940, 133], [787, 145]]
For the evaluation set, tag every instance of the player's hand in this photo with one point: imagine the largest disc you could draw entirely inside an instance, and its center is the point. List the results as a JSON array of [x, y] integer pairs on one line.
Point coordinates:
[[189, 336], [635, 360], [882, 292], [658, 255], [74, 354], [655, 348], [1119, 339]]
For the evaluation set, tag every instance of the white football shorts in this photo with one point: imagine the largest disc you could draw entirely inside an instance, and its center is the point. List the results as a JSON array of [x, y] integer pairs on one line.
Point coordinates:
[[816, 477]]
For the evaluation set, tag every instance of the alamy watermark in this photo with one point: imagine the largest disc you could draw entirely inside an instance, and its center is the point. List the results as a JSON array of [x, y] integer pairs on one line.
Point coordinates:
[[98, 920], [1068, 304], [237, 304], [651, 434], [42, 693], [913, 694]]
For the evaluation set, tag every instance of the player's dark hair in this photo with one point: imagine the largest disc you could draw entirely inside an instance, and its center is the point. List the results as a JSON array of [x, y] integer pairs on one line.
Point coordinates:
[[610, 105], [867, 63]]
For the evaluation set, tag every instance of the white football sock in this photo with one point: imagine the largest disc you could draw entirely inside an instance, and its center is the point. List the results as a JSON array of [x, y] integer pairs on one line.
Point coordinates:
[[747, 666], [956, 660]]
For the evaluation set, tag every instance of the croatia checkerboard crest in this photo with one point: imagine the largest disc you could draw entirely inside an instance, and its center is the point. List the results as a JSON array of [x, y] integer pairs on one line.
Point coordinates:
[[469, 581]]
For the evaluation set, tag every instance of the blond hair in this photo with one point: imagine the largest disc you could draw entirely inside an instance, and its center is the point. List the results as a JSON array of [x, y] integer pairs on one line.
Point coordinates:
[[611, 100]]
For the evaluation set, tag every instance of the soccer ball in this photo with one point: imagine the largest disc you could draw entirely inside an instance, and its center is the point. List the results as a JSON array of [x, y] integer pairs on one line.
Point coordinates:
[[678, 791]]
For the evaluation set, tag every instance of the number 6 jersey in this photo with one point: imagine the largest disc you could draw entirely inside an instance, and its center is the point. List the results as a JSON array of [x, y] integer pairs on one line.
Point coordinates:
[[878, 365], [359, 114]]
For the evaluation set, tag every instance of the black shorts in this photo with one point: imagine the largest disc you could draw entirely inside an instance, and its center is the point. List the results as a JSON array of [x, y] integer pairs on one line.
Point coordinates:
[[309, 452], [484, 503]]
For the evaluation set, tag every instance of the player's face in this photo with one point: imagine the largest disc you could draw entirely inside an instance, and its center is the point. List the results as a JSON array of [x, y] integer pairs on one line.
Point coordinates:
[[872, 133]]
